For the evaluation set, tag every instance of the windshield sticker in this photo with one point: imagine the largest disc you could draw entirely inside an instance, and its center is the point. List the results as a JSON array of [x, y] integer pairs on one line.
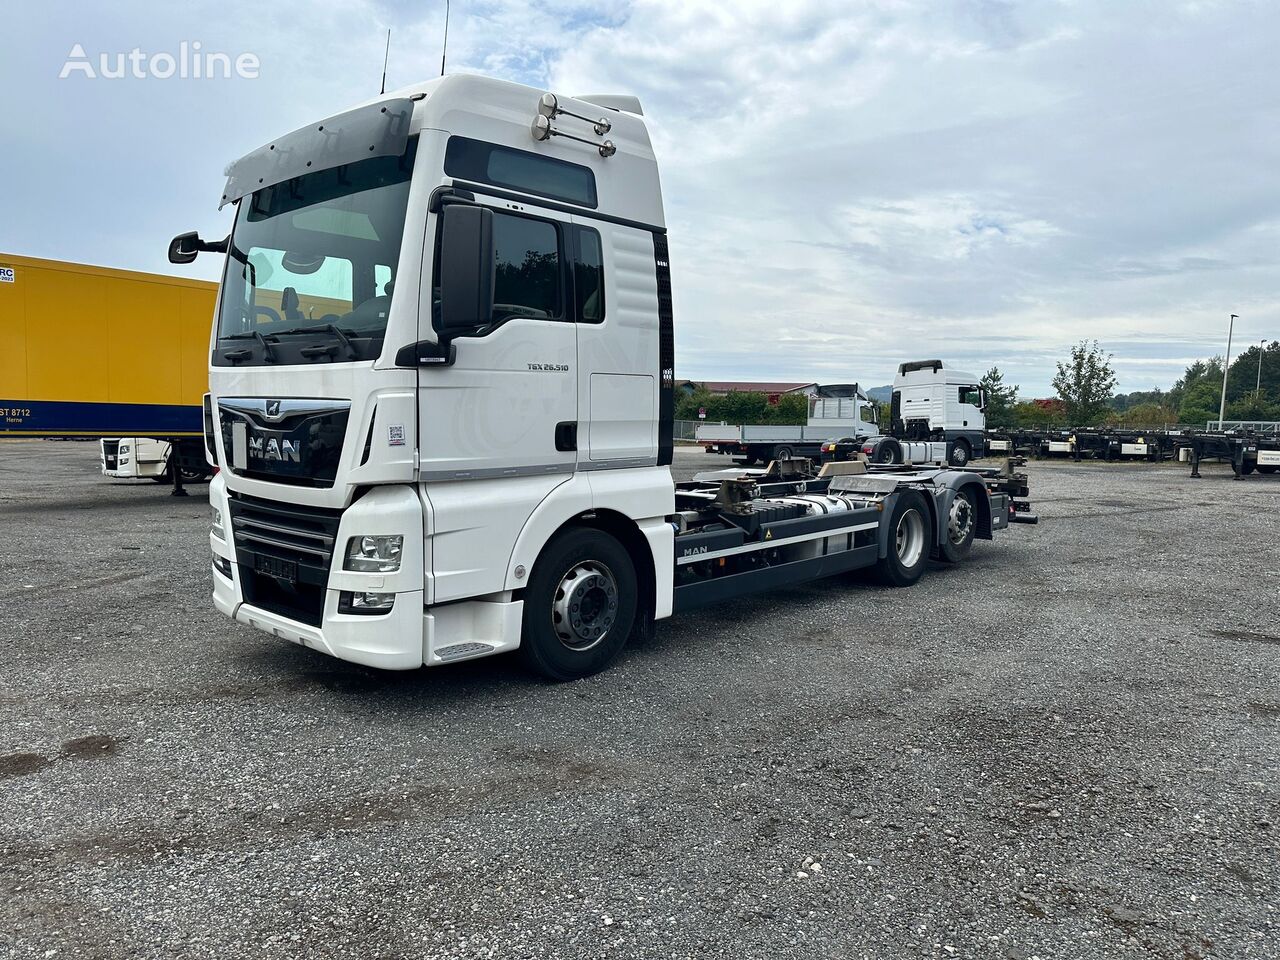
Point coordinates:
[[395, 435], [6, 274]]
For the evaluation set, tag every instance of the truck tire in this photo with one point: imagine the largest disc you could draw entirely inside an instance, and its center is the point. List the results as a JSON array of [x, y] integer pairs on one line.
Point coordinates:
[[910, 542], [189, 475], [962, 523], [783, 453], [887, 452], [580, 605], [1248, 467], [958, 453]]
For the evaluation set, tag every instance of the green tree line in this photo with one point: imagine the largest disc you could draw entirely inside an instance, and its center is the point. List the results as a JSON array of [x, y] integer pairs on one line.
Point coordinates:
[[743, 407], [1084, 387]]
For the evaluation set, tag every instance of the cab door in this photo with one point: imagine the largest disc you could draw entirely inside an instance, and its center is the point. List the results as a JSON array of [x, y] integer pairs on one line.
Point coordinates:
[[507, 404]]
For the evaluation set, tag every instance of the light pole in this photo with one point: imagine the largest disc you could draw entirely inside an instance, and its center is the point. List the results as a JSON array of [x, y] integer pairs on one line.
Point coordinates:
[[1222, 404], [1257, 387]]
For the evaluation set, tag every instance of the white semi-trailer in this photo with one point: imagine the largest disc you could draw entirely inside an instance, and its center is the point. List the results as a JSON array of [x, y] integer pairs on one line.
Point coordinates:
[[442, 392]]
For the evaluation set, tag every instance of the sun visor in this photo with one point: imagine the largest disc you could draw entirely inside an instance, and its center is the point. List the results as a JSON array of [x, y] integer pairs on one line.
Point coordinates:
[[377, 130]]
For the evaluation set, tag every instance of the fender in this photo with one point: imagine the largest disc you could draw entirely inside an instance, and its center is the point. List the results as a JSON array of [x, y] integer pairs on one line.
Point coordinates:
[[645, 496], [946, 485]]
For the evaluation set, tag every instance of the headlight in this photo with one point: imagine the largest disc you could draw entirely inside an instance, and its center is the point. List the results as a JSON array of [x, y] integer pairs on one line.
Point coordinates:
[[124, 448], [374, 554], [217, 524]]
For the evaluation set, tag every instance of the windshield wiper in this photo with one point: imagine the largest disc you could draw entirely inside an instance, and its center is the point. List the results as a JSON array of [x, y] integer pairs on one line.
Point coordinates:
[[268, 352], [352, 353]]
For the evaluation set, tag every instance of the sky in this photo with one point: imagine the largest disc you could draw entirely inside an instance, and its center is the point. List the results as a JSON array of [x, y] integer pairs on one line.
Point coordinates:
[[847, 184]]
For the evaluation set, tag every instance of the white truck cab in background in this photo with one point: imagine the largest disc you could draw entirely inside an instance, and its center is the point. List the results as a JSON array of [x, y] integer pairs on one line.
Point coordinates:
[[442, 394], [936, 416], [128, 458]]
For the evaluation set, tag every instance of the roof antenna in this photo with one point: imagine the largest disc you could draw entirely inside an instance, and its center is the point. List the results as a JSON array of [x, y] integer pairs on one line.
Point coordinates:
[[445, 49], [385, 57]]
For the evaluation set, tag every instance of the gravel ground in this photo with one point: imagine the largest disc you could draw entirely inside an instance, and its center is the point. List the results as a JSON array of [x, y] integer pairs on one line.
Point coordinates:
[[1067, 747]]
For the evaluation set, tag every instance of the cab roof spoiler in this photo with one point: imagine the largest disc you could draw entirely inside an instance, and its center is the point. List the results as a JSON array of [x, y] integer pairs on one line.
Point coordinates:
[[934, 365], [614, 101], [378, 129]]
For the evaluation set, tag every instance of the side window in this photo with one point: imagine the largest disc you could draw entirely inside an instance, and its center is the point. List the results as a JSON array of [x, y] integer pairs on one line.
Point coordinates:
[[381, 279], [588, 277], [970, 396], [526, 268]]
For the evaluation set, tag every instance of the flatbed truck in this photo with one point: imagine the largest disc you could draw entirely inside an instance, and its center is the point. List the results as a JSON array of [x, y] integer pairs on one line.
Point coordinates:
[[442, 396], [836, 411]]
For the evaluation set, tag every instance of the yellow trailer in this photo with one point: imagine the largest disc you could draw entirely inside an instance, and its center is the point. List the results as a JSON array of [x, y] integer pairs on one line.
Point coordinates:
[[94, 351]]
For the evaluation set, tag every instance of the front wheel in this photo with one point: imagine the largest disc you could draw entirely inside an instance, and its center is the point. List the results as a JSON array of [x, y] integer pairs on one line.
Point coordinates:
[[579, 607], [958, 453], [910, 541]]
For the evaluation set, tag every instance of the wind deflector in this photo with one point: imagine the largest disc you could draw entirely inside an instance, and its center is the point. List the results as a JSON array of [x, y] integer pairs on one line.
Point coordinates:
[[377, 130]]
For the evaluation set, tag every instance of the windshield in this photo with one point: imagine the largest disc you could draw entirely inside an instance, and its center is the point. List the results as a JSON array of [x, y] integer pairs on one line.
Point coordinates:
[[313, 259]]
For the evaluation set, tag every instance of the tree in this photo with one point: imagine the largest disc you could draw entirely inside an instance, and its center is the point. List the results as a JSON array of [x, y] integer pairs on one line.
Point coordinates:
[[1149, 415], [1085, 383], [1000, 399], [1198, 392], [1253, 406], [1038, 414]]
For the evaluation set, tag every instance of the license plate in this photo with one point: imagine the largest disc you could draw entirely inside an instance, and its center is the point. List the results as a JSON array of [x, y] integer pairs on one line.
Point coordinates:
[[276, 568]]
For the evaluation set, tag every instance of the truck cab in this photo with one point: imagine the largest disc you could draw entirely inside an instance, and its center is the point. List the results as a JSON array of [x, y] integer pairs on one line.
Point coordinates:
[[420, 360]]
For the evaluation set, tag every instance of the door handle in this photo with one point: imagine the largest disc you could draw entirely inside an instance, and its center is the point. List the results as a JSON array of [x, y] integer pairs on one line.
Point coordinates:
[[567, 436]]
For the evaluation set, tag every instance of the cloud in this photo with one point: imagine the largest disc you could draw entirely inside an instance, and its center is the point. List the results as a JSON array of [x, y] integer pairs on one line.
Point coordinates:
[[846, 185]]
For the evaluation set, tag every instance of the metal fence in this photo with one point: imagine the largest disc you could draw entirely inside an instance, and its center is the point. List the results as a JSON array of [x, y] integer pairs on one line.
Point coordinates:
[[1257, 426], [685, 430]]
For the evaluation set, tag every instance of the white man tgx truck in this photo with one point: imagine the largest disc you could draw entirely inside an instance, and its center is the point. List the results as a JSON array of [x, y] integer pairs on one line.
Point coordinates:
[[936, 415], [442, 394]]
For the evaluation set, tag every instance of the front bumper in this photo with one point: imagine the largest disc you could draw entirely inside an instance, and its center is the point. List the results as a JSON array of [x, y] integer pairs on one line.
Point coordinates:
[[407, 636]]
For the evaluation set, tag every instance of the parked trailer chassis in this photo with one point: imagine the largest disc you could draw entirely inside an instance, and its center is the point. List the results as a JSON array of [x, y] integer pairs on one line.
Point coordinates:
[[1246, 451]]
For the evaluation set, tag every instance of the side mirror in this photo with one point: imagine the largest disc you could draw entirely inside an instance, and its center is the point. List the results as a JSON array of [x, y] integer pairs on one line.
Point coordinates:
[[466, 267], [184, 247]]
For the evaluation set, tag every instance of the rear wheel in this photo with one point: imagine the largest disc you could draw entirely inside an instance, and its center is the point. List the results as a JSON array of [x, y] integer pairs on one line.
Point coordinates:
[[1248, 467], [958, 453], [783, 453], [580, 605], [962, 523], [886, 452], [910, 542]]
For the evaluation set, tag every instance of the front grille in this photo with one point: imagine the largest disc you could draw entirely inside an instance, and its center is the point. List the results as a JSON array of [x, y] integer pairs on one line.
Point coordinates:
[[303, 536], [294, 441], [110, 453]]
